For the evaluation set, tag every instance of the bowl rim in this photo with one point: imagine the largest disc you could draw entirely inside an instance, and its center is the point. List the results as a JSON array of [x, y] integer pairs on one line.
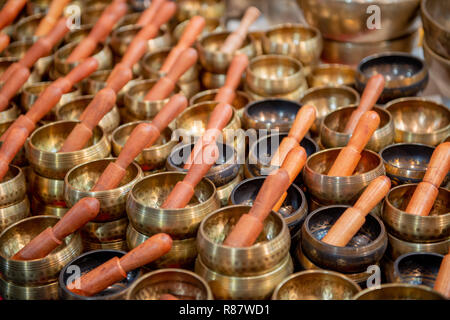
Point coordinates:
[[203, 37], [397, 261], [201, 94], [395, 145], [18, 176], [317, 36], [343, 87], [398, 285], [435, 55], [272, 101], [298, 74], [424, 11]]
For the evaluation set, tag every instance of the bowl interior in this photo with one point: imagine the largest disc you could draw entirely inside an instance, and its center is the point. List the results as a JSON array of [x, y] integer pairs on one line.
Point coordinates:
[[392, 67], [122, 134], [290, 34], [337, 120], [408, 156], [418, 268], [439, 12], [399, 292], [274, 68], [328, 99], [273, 110], [179, 156]]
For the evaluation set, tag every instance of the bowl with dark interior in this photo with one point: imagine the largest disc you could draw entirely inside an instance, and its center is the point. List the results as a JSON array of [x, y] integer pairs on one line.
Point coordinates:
[[419, 268]]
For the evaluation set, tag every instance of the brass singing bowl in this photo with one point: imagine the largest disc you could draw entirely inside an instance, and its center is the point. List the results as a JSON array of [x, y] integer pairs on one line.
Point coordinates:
[[128, 19], [181, 255], [12, 291], [43, 145], [274, 74], [25, 28], [210, 9], [108, 231], [255, 287], [37, 271], [49, 191], [181, 283], [409, 227], [327, 99], [8, 116], [12, 186], [208, 47], [419, 268], [73, 109], [225, 191], [146, 197], [435, 16], [93, 9], [212, 80], [439, 67], [11, 213], [365, 248], [87, 262], [293, 95], [339, 190], [331, 75], [78, 34], [79, 181], [37, 6], [211, 25], [316, 285], [295, 40], [39, 208], [397, 247], [332, 130], [113, 245], [399, 291], [418, 120]]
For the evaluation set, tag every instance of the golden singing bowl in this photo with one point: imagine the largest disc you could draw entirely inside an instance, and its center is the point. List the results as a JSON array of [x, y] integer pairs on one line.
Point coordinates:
[[39, 208], [293, 95], [178, 282], [79, 181], [439, 67], [152, 158], [37, 271], [210, 56], [43, 145], [12, 291], [181, 255], [409, 227], [295, 40], [269, 250], [397, 247], [113, 245], [419, 120], [211, 25], [190, 88], [332, 75], [14, 212], [209, 9], [25, 28], [256, 287], [73, 109], [435, 16], [109, 231], [12, 186], [92, 10], [327, 99], [419, 268], [316, 285], [332, 130], [87, 262], [224, 192], [212, 80], [78, 34], [274, 74], [37, 6], [49, 191], [339, 190], [399, 291], [146, 197], [128, 19], [366, 248]]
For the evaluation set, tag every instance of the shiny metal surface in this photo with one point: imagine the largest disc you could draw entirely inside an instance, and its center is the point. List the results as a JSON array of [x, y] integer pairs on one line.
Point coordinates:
[[12, 186], [417, 268], [25, 28], [14, 212], [435, 19], [12, 291], [331, 75], [213, 9], [49, 191], [439, 67], [397, 247], [109, 231], [398, 291]]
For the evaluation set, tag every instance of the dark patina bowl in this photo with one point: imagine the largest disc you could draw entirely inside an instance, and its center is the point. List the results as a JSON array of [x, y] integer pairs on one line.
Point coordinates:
[[419, 268]]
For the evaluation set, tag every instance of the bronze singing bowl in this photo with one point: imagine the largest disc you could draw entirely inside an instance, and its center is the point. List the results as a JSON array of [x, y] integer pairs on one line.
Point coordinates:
[[79, 181], [316, 285], [327, 99], [210, 56], [435, 16], [14, 212], [295, 40], [12, 291], [152, 158], [418, 120], [37, 271], [399, 291], [43, 145], [146, 197], [209, 9], [211, 25], [49, 191], [439, 67], [339, 190], [181, 255], [419, 268], [128, 19], [332, 130], [109, 231], [183, 284], [73, 109], [12, 186], [255, 287], [332, 75], [87, 262], [409, 227], [39, 208], [269, 250], [397, 247], [366, 248], [212, 80], [25, 28], [113, 245]]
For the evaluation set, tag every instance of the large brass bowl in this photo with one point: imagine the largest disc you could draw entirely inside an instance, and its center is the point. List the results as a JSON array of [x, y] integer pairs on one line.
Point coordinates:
[[397, 291], [12, 186], [435, 16], [210, 9], [14, 212], [331, 75], [417, 268]]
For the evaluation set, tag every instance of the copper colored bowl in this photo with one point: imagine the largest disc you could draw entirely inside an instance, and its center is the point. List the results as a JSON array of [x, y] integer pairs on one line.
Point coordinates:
[[398, 291], [417, 268]]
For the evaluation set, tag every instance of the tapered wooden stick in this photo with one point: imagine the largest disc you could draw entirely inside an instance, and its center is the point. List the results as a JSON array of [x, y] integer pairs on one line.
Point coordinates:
[[10, 11], [237, 67], [51, 18]]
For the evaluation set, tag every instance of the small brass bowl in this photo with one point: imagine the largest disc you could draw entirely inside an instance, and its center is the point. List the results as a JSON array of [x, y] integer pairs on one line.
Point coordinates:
[[146, 197], [405, 74], [399, 291], [274, 74], [295, 40], [38, 271], [339, 190], [316, 285], [332, 130], [332, 75], [152, 158], [137, 106], [327, 99], [418, 120], [210, 9], [211, 25], [397, 247], [79, 181], [181, 255], [178, 282], [12, 291], [435, 23], [43, 145], [49, 191], [14, 212], [78, 34], [409, 227], [73, 109], [25, 28], [366, 248], [212, 80], [439, 67], [269, 250], [39, 208], [256, 287], [13, 186], [37, 6], [87, 262], [105, 231], [270, 114], [419, 268], [215, 61], [293, 95], [113, 245]]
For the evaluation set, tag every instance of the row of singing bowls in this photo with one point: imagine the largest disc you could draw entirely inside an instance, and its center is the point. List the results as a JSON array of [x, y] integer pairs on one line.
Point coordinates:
[[79, 181], [419, 120], [397, 291], [435, 15], [332, 135], [147, 195], [331, 75], [439, 67], [43, 145]]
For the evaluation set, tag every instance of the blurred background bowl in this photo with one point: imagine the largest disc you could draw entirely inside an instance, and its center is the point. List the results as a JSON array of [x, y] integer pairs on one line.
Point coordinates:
[[397, 291], [332, 75], [435, 16]]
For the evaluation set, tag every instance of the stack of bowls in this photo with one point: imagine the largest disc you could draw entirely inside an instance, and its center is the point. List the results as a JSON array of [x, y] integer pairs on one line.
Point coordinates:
[[147, 218]]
